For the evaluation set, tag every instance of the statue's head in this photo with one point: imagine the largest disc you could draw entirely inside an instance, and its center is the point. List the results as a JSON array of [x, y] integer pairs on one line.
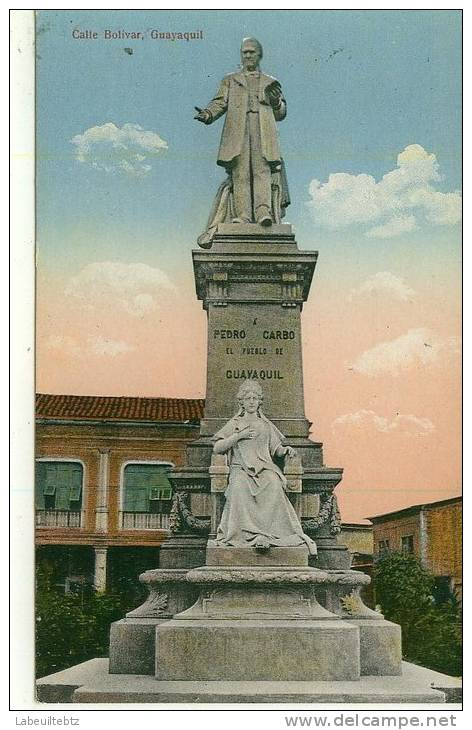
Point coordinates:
[[250, 397], [251, 53]]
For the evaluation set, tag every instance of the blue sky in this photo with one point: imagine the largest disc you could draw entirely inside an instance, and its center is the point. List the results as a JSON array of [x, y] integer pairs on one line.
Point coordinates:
[[360, 86]]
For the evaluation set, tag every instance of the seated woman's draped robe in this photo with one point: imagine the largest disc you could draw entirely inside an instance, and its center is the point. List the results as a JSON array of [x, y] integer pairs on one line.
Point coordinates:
[[256, 503]]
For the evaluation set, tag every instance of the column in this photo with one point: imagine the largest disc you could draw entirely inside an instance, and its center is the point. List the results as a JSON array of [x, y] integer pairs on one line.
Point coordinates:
[[101, 512], [100, 572]]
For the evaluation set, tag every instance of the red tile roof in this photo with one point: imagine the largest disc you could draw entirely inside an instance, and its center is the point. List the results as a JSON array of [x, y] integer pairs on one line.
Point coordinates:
[[118, 408]]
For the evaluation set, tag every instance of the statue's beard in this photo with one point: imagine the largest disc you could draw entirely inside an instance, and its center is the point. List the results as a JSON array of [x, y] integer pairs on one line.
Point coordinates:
[[250, 65]]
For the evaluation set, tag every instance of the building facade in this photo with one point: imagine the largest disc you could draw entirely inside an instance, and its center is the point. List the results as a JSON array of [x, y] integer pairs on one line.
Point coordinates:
[[432, 532], [102, 493], [359, 539]]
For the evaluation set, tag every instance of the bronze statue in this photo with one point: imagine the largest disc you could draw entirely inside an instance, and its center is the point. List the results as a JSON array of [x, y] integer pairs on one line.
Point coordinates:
[[256, 189]]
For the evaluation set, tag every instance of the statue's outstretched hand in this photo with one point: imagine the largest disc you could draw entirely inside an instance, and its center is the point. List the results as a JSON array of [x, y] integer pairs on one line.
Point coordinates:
[[290, 452], [202, 115]]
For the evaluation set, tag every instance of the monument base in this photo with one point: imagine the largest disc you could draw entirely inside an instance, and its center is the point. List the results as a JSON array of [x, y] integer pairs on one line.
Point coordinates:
[[90, 682], [132, 640], [264, 650], [133, 646], [205, 598], [380, 647], [182, 551]]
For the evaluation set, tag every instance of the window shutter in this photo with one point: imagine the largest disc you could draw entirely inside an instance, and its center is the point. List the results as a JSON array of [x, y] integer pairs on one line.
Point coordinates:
[[50, 473], [136, 500], [145, 483], [157, 493], [40, 484], [50, 481], [160, 485], [167, 493], [62, 497], [132, 478], [75, 492], [64, 474]]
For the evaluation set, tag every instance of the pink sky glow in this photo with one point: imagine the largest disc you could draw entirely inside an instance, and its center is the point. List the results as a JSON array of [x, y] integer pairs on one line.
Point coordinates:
[[381, 371]]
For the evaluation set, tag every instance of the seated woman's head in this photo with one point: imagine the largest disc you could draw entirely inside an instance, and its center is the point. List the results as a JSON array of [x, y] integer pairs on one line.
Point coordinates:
[[250, 396]]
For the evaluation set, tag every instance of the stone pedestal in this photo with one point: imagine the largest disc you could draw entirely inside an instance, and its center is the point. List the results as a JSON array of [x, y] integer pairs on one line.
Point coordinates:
[[261, 622], [133, 646], [256, 592], [380, 640], [92, 683], [253, 283], [331, 556], [262, 650], [275, 557], [380, 647], [132, 640], [183, 551]]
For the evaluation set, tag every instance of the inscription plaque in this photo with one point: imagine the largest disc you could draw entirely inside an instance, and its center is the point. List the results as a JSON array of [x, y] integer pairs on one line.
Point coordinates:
[[255, 341]]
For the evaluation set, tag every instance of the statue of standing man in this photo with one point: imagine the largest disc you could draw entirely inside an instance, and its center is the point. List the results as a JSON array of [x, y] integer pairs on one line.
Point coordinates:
[[256, 189]]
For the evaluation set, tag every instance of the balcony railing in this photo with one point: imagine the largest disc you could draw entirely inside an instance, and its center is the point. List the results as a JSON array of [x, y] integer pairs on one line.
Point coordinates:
[[58, 518], [144, 521]]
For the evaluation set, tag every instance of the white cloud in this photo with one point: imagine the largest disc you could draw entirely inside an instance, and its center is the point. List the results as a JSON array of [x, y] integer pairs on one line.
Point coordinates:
[[384, 282], [393, 227], [418, 347], [399, 423], [99, 346], [402, 200], [93, 346], [128, 150], [134, 288]]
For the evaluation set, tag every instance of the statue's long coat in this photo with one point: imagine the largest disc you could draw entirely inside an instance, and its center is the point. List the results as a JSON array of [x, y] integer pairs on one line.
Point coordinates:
[[232, 98]]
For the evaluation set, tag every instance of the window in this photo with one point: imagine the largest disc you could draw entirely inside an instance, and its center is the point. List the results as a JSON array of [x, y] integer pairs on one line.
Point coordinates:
[[59, 486], [384, 546], [407, 544], [147, 489]]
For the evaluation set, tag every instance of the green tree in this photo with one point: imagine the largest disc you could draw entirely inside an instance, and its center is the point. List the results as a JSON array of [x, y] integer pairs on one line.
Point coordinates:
[[73, 628], [431, 633]]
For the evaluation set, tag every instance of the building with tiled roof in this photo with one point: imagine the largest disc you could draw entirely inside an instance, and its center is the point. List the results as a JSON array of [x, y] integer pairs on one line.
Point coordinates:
[[118, 408], [102, 493]]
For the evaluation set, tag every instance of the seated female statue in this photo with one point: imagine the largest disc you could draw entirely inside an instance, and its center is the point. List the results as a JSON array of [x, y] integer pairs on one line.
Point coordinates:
[[257, 511]]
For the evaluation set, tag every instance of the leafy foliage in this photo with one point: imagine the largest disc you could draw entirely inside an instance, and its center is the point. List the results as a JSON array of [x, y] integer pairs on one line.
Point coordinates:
[[431, 632], [75, 627]]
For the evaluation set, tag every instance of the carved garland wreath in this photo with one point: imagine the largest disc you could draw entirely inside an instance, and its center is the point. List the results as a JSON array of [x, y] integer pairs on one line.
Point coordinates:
[[329, 513], [181, 516]]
